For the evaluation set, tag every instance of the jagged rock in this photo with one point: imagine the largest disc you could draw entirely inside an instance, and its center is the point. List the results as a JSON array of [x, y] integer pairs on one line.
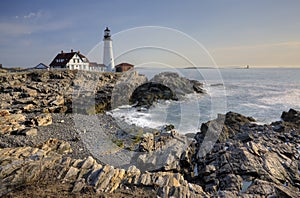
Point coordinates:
[[30, 132], [14, 161], [163, 152], [28, 107], [146, 94], [147, 143], [42, 120], [11, 122], [28, 92], [198, 86], [179, 85], [56, 145], [164, 86], [56, 91], [4, 113], [291, 116], [58, 101], [125, 87], [249, 156], [225, 127], [267, 189]]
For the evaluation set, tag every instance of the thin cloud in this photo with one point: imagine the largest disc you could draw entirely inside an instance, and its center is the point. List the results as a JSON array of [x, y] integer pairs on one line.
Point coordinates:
[[33, 15], [18, 29], [30, 15], [260, 46]]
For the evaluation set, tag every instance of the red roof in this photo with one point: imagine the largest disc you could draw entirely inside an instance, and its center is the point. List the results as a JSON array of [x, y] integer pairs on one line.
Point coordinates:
[[66, 57], [124, 64]]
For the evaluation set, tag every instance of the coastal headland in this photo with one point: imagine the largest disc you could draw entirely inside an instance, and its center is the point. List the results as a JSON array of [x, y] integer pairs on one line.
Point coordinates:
[[46, 150]]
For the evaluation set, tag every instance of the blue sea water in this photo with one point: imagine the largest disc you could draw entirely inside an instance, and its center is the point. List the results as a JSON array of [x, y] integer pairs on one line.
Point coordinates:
[[260, 93]]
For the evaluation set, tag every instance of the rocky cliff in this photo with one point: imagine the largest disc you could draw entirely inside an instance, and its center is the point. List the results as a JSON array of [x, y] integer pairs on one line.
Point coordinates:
[[231, 156]]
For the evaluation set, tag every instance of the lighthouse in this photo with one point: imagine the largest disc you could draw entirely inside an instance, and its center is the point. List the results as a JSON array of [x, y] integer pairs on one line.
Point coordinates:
[[108, 58]]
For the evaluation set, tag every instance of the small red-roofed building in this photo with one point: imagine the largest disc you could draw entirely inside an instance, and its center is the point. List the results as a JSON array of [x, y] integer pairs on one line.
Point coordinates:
[[123, 67]]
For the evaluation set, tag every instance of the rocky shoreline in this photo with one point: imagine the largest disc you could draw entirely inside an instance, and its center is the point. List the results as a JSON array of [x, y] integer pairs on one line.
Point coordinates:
[[43, 144]]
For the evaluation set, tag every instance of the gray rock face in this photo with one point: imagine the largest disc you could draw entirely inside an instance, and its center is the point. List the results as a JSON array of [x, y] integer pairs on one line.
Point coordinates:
[[160, 151], [179, 85], [125, 87], [225, 126], [57, 91], [164, 86], [54, 91], [290, 122], [245, 158], [292, 116], [150, 92], [83, 173], [232, 156]]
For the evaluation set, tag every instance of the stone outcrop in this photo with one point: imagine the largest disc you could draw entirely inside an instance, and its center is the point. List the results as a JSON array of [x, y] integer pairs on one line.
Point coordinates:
[[26, 165], [292, 116], [247, 159], [56, 91], [179, 85], [232, 156], [11, 122], [290, 122], [150, 92], [160, 151], [125, 87], [164, 86], [225, 127]]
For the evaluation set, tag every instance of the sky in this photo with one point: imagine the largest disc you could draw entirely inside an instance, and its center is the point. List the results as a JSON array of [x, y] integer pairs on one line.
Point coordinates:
[[259, 33]]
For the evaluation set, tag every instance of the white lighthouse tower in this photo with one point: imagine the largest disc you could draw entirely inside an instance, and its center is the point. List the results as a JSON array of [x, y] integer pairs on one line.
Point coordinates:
[[108, 58]]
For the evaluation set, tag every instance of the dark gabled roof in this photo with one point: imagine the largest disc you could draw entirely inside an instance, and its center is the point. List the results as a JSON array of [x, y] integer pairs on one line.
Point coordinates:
[[41, 64], [124, 64], [66, 57]]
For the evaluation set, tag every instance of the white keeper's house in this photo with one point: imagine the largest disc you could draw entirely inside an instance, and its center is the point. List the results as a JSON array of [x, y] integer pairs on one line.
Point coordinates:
[[75, 60]]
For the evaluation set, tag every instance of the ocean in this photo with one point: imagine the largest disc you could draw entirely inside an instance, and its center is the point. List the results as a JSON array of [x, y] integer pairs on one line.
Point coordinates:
[[260, 93]]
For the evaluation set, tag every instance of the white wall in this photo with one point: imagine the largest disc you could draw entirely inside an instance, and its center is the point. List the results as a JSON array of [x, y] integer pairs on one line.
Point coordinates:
[[108, 57], [76, 63]]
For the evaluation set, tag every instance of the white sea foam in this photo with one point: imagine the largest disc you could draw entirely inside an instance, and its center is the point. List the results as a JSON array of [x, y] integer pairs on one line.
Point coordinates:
[[262, 96], [288, 98], [259, 106]]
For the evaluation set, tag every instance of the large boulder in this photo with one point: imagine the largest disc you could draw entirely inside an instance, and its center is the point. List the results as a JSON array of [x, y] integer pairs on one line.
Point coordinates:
[[11, 122], [125, 87], [160, 151], [179, 85], [225, 126], [290, 122], [150, 92], [291, 116], [164, 86]]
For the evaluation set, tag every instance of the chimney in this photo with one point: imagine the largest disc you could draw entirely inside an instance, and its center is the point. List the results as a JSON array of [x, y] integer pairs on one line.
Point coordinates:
[[61, 52], [71, 50]]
